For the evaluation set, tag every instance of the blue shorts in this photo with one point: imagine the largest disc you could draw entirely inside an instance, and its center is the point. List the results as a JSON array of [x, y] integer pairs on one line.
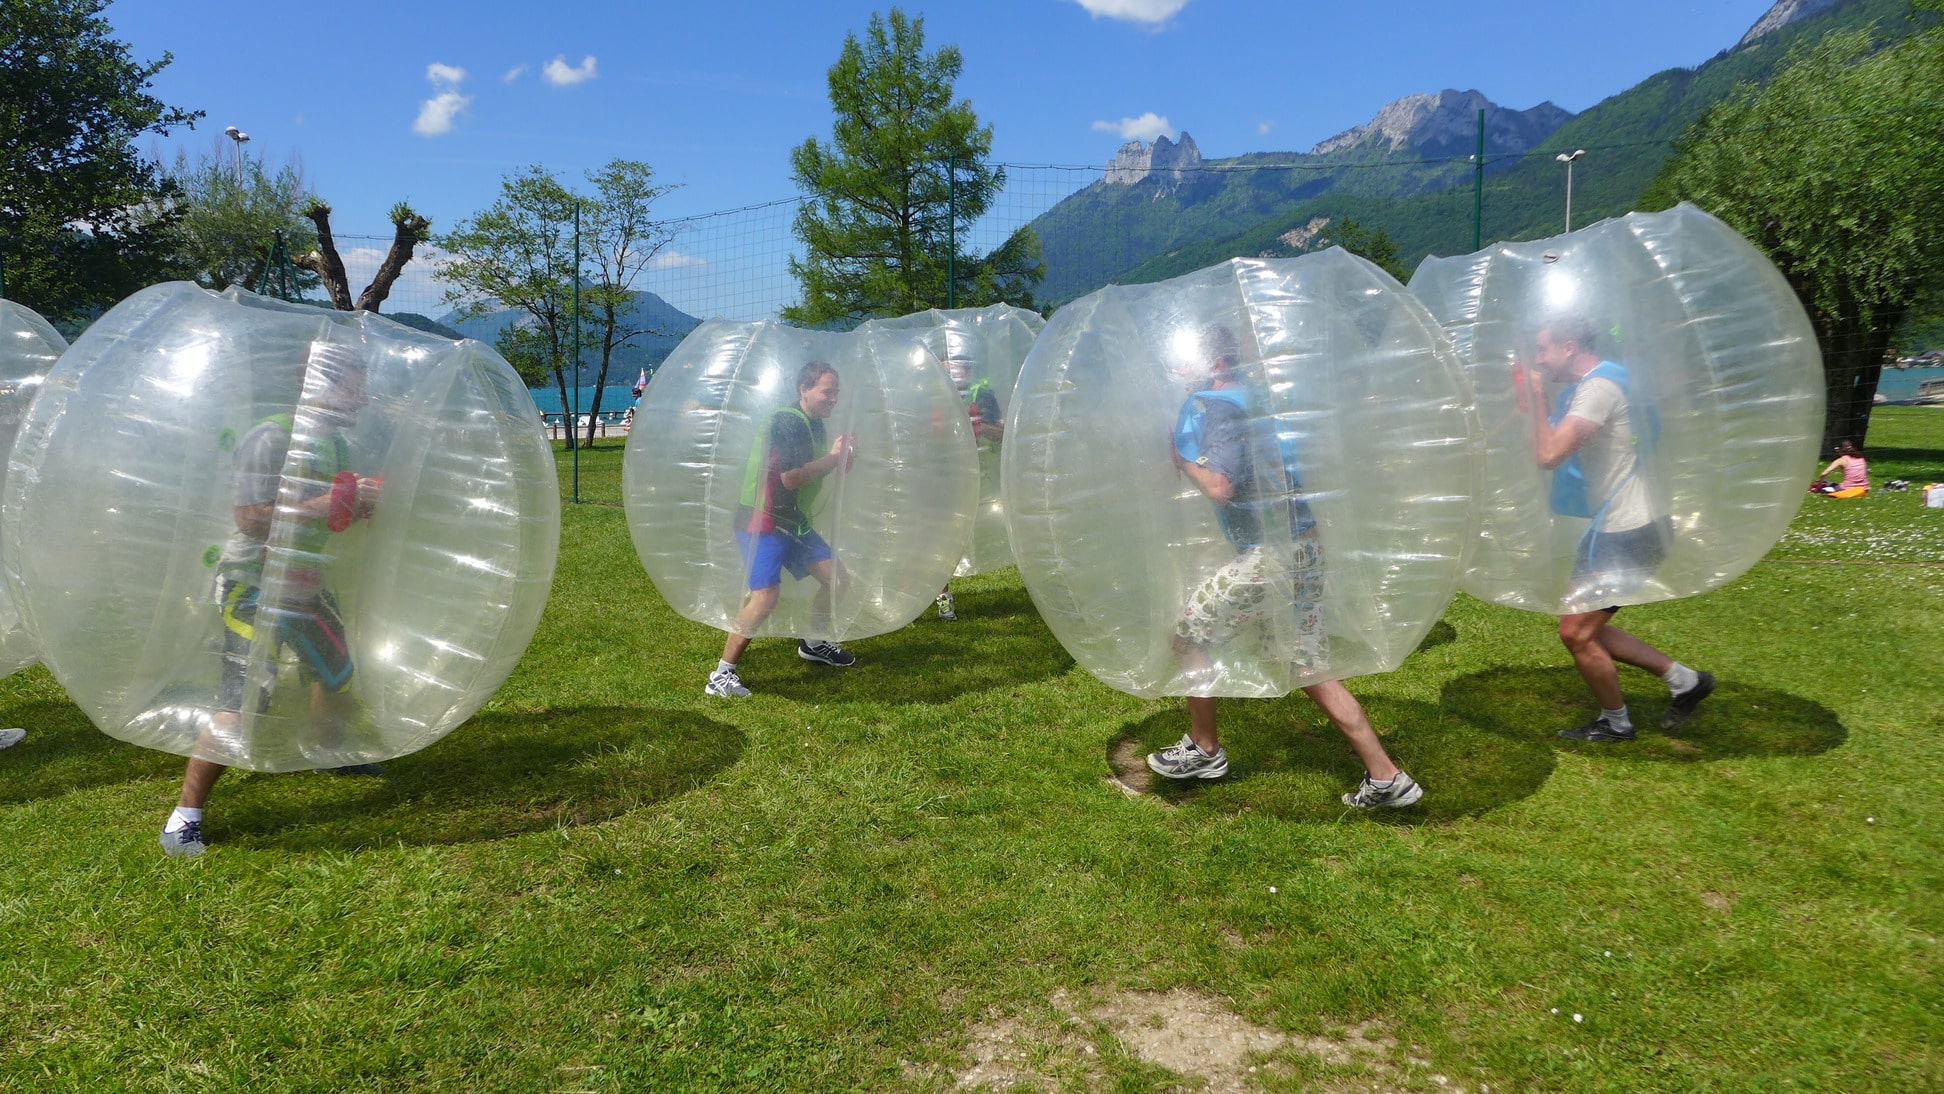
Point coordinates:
[[766, 555]]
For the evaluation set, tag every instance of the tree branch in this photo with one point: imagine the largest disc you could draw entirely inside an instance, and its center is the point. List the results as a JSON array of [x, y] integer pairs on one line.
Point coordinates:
[[326, 262], [410, 231]]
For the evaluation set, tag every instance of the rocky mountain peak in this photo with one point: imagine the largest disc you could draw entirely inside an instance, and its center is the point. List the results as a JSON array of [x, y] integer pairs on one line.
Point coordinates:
[[1168, 159], [1782, 14], [1448, 121]]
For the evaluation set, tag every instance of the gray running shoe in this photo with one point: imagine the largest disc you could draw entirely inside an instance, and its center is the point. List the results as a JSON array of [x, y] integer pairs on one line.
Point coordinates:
[[1681, 707], [184, 842], [947, 610], [11, 737], [1599, 731], [1395, 794], [725, 684], [826, 653], [1185, 760]]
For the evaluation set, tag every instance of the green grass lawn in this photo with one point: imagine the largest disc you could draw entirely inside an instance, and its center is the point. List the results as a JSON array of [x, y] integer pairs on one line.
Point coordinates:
[[606, 882]]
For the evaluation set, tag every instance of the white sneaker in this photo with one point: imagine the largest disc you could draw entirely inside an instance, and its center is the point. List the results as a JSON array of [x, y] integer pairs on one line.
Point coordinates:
[[725, 684], [1399, 792], [947, 610], [1183, 760], [11, 737]]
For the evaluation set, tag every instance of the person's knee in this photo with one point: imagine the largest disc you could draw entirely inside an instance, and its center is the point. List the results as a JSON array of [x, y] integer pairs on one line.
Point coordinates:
[[1577, 632]]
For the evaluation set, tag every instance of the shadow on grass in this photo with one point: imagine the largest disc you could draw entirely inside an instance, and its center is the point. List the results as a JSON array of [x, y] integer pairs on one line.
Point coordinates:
[[1286, 760], [997, 641], [64, 752], [498, 775], [1440, 634], [1927, 462], [1534, 704]]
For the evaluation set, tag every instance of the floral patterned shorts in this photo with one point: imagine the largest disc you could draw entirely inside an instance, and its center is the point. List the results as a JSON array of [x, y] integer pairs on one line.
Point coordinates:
[[1251, 590]]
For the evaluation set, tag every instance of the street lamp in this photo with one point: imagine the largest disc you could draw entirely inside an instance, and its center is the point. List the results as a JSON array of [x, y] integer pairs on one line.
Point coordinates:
[[1568, 159], [242, 138]]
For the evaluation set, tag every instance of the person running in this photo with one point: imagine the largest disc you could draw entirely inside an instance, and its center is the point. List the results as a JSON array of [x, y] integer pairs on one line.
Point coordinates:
[[319, 496], [1234, 459], [773, 529], [1856, 474], [1588, 443], [988, 429]]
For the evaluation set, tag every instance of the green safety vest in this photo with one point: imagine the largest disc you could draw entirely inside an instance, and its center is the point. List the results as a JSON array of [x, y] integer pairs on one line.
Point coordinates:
[[755, 479]]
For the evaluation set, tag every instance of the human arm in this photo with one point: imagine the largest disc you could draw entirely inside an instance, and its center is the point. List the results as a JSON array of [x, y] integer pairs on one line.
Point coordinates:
[[842, 450], [1552, 444], [1833, 465]]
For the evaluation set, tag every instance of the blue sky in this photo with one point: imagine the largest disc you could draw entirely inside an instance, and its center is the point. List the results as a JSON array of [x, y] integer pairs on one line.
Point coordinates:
[[435, 102]]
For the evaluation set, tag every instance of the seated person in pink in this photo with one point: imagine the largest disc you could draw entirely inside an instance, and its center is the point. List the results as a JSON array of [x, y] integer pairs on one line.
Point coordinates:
[[1856, 474]]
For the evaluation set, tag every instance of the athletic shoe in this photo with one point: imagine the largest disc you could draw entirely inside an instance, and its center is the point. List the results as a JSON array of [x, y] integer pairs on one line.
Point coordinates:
[[1598, 731], [946, 609], [1185, 760], [725, 684], [1681, 707], [1396, 794], [356, 769], [827, 653], [11, 737], [184, 842]]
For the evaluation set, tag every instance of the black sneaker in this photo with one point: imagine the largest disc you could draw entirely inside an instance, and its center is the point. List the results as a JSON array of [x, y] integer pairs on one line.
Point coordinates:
[[184, 842], [826, 653], [1681, 707], [1598, 731]]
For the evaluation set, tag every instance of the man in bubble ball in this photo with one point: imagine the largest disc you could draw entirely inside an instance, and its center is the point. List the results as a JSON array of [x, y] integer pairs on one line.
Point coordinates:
[[321, 496], [1237, 462], [787, 465], [1589, 444], [988, 429]]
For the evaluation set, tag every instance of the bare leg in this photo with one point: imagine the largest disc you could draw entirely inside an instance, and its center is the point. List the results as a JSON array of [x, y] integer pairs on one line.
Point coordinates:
[[1347, 715], [832, 582], [1201, 711], [756, 607], [1622, 646], [197, 779], [1581, 635]]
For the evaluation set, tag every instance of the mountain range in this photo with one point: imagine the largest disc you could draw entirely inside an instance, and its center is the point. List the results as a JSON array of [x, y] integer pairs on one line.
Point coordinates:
[[1162, 210], [667, 326]]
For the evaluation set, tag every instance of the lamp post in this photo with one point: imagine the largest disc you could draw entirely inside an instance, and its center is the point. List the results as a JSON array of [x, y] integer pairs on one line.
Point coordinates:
[[1567, 159], [241, 138]]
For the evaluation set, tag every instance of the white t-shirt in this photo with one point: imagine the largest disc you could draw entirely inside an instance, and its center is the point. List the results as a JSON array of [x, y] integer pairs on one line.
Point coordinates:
[[1607, 457]]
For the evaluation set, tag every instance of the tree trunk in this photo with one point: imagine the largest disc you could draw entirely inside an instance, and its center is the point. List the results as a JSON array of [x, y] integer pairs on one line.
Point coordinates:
[[1853, 351], [326, 263], [600, 381], [411, 229]]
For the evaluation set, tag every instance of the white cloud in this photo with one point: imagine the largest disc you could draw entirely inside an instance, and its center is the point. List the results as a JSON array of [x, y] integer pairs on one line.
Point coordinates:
[[436, 114], [445, 74], [1263, 128], [560, 74], [514, 73], [675, 260], [1144, 128], [1151, 12]]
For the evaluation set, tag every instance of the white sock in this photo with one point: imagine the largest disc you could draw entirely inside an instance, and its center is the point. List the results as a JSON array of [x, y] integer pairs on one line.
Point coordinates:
[[725, 666], [1679, 678], [1618, 719], [181, 818]]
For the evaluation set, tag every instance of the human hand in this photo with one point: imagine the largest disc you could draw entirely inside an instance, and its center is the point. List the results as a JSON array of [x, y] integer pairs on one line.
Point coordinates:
[[844, 447], [369, 490], [1521, 381]]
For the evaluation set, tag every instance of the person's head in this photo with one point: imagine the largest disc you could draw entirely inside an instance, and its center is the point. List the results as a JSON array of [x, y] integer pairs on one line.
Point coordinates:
[[1845, 448], [1564, 346], [817, 389], [334, 380], [1220, 354]]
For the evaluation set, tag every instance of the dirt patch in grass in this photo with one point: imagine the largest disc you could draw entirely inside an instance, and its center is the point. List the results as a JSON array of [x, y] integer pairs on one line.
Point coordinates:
[[1195, 1035], [1132, 776]]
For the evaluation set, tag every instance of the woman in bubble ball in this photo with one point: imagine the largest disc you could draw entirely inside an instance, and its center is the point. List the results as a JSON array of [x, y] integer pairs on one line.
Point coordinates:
[[773, 525], [1233, 456], [322, 496]]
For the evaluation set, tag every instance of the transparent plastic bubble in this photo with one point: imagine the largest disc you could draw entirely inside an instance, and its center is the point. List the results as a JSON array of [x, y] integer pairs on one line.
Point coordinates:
[[29, 346], [1709, 397], [278, 537], [1340, 425], [896, 517], [982, 349]]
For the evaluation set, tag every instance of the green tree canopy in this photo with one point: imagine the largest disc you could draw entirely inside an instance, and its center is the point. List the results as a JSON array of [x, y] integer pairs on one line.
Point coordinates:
[[893, 192], [1831, 168], [620, 238], [231, 210], [84, 218]]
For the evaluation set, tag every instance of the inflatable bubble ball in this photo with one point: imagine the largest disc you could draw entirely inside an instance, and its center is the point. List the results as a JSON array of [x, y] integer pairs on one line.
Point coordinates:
[[719, 498], [1650, 394], [1242, 481], [29, 346], [278, 537], [982, 349]]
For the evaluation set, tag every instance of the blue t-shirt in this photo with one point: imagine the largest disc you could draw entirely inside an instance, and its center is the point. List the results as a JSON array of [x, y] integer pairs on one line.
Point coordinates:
[[1216, 430]]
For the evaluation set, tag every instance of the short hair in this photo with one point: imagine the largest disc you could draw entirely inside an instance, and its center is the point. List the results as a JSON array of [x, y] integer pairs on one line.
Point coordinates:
[[1218, 341], [808, 375], [1576, 329]]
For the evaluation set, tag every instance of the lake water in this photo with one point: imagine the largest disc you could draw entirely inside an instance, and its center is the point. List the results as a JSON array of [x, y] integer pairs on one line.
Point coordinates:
[[614, 400], [1901, 383]]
